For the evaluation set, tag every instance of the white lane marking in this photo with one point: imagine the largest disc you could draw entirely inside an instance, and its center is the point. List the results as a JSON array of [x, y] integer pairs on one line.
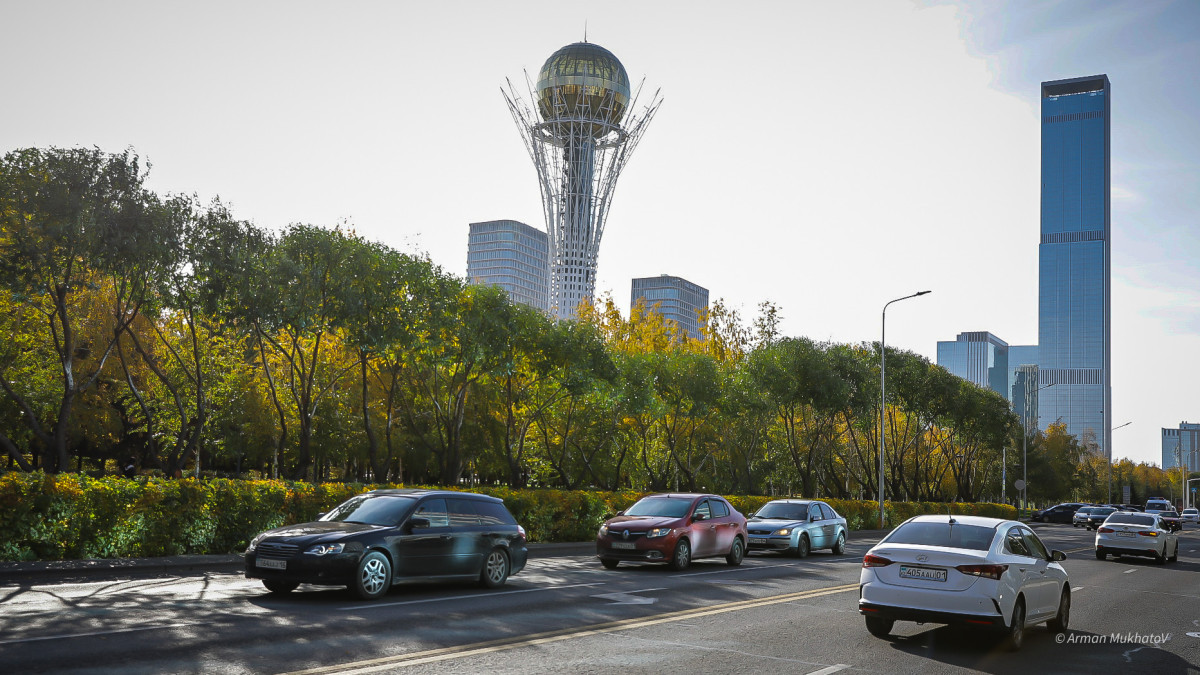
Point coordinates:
[[830, 670], [99, 632], [376, 605], [1129, 571], [1077, 588], [627, 597]]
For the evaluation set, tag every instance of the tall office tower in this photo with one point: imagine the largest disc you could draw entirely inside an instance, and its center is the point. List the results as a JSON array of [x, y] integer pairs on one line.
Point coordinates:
[[676, 299], [1073, 261], [1181, 447], [513, 256], [979, 357], [1022, 381], [578, 144]]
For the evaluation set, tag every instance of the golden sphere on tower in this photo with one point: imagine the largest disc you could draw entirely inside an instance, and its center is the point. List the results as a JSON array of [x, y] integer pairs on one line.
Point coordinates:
[[583, 82]]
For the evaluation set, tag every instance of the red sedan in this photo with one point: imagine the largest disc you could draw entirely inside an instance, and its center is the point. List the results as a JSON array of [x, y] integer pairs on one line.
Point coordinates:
[[673, 529]]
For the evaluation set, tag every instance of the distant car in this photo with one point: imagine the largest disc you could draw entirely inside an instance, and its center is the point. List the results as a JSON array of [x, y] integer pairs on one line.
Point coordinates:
[[797, 526], [1172, 519], [1080, 517], [1190, 516], [964, 570], [1096, 516], [1061, 513], [383, 537], [1157, 504], [674, 529], [1141, 534]]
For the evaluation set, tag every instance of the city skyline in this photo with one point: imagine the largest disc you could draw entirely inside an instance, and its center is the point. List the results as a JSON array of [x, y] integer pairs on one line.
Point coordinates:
[[910, 158]]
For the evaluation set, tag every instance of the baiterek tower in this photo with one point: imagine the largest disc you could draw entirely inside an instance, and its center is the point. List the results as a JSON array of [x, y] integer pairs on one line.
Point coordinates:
[[583, 131]]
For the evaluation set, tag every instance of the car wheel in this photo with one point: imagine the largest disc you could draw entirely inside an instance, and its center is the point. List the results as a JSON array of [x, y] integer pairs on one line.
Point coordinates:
[[1101, 555], [879, 626], [609, 563], [1016, 630], [1161, 558], [802, 547], [1059, 623], [1175, 556], [682, 557], [495, 569], [839, 546], [280, 587], [736, 552], [373, 577]]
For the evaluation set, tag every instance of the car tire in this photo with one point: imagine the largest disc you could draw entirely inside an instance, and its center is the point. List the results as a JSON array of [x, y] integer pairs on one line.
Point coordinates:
[[372, 577], [736, 553], [495, 569], [1101, 555], [280, 587], [1174, 556], [1161, 558], [1063, 618], [839, 546], [802, 547], [609, 563], [682, 557], [1015, 638], [879, 626]]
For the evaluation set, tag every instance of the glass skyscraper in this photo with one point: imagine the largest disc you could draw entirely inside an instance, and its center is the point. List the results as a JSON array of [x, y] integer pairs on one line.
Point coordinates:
[[1022, 382], [1181, 446], [1073, 261], [977, 356], [513, 256], [675, 298]]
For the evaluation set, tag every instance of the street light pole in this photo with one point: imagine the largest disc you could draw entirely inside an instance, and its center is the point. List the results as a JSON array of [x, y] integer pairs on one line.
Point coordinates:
[[1108, 451], [1025, 444], [883, 393]]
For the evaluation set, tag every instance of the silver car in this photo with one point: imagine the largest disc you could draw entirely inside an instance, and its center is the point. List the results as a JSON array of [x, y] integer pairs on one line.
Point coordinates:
[[796, 526]]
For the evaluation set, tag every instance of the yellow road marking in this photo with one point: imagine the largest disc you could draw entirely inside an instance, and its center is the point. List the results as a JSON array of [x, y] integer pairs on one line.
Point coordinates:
[[491, 646]]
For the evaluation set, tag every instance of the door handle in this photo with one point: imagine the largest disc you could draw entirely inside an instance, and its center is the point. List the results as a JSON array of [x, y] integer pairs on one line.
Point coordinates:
[[1021, 568], [445, 536]]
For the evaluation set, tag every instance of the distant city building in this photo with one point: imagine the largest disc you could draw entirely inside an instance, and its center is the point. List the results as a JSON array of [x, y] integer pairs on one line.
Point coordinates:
[[513, 256], [1181, 446], [1022, 381], [677, 299], [978, 357], [1074, 325]]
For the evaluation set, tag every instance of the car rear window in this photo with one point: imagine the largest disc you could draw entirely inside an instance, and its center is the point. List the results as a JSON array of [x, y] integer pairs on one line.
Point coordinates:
[[667, 507], [494, 513], [1123, 518], [943, 534]]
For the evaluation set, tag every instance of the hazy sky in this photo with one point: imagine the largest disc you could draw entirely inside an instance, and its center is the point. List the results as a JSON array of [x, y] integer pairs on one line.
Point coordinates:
[[825, 156]]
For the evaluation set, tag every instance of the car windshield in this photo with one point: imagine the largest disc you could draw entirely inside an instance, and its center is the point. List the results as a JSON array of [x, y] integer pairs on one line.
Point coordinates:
[[1102, 512], [1191, 511], [371, 509], [783, 511], [1129, 519], [943, 534], [667, 507], [1084, 511]]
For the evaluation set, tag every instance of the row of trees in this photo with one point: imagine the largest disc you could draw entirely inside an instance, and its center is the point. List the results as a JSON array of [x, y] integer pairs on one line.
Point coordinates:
[[162, 334]]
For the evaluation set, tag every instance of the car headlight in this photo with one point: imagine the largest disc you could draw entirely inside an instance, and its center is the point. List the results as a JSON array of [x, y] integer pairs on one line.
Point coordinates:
[[325, 549], [785, 531], [603, 530], [658, 532], [254, 542]]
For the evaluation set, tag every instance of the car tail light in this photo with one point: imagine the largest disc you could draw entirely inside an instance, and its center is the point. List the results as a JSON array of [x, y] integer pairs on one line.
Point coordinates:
[[1148, 533], [1106, 530], [875, 561], [985, 571], [521, 532]]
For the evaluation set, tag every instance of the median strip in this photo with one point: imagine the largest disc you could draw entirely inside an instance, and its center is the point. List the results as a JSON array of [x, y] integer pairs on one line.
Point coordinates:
[[491, 646]]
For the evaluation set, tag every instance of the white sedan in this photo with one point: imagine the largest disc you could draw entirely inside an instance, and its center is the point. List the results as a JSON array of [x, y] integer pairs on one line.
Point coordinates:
[[1190, 516], [964, 570], [1145, 534]]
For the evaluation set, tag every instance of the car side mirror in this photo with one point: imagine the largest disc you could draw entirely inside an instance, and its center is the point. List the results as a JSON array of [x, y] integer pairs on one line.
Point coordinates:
[[321, 515], [414, 523], [813, 518], [697, 517], [621, 512], [1056, 556]]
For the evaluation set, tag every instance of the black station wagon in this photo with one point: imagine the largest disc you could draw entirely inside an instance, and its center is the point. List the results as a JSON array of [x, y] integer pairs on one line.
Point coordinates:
[[387, 537]]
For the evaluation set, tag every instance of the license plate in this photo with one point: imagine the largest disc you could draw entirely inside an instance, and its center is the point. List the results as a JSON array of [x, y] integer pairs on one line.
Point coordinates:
[[624, 545], [271, 564], [758, 540], [1126, 534], [922, 573]]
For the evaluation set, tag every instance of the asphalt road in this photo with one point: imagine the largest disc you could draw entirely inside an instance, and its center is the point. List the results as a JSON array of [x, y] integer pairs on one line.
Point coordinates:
[[568, 614]]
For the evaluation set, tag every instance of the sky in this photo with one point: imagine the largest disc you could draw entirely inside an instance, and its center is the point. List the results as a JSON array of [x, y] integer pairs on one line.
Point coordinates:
[[826, 157]]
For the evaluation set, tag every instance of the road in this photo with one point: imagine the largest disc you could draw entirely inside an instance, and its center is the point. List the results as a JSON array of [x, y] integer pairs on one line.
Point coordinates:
[[568, 614]]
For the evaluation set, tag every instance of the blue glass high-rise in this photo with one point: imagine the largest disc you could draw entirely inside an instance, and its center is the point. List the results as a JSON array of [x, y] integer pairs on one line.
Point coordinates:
[[1073, 261]]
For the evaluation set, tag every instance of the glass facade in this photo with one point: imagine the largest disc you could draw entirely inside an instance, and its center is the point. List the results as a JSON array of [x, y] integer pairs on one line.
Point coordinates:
[[978, 357], [1022, 381], [675, 298], [513, 256], [1073, 261], [1181, 446]]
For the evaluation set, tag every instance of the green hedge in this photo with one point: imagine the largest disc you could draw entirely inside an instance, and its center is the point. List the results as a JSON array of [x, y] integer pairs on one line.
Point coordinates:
[[71, 516]]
